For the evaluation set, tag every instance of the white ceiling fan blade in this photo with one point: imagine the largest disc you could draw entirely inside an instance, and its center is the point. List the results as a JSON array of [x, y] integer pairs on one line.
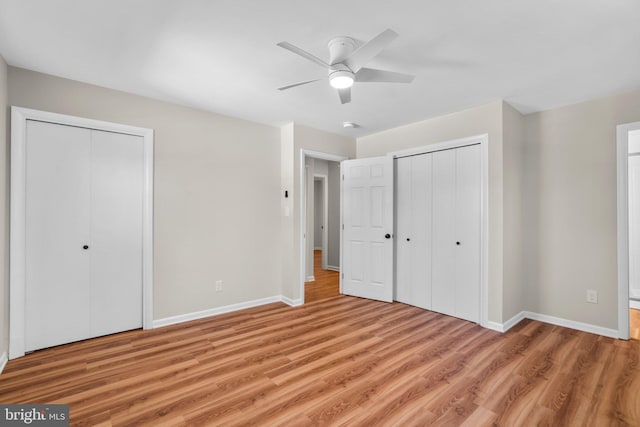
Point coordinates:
[[298, 84], [367, 51], [373, 75], [304, 54], [345, 95]]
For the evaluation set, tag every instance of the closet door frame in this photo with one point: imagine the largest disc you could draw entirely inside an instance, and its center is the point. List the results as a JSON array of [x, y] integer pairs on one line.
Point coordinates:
[[17, 249], [483, 140]]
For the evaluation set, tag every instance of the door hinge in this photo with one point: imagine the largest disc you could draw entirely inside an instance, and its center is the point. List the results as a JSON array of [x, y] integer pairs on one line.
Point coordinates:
[[342, 275], [343, 177], [343, 226]]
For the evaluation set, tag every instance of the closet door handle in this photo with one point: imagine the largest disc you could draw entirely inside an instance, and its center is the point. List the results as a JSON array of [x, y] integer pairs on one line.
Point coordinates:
[[408, 239], [458, 243], [387, 236], [85, 247]]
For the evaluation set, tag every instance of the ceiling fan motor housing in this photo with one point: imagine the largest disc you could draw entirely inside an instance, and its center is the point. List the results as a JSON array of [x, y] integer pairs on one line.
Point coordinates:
[[340, 48]]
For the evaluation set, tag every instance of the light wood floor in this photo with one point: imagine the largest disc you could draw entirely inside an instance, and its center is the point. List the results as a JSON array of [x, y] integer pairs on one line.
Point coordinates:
[[326, 285], [338, 361], [634, 318]]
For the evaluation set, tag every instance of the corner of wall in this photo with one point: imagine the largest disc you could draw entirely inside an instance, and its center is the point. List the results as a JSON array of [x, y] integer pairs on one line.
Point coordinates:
[[287, 208], [515, 278]]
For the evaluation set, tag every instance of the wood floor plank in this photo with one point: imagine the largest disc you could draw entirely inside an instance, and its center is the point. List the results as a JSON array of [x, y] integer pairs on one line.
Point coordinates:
[[326, 283], [336, 361]]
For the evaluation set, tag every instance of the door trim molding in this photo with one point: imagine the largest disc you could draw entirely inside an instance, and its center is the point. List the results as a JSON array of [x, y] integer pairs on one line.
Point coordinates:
[[483, 140], [622, 167], [17, 267]]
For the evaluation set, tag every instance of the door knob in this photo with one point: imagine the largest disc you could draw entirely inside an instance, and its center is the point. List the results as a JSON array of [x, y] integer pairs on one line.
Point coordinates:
[[85, 247], [457, 243], [408, 239], [387, 236]]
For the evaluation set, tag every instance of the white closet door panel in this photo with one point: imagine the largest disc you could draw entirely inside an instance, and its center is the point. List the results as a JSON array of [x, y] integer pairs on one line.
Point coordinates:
[[634, 227], [467, 220], [57, 227], [421, 212], [443, 232], [116, 232], [404, 256]]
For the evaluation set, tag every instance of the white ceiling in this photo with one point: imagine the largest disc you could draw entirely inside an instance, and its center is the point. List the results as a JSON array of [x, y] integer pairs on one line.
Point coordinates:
[[221, 55]]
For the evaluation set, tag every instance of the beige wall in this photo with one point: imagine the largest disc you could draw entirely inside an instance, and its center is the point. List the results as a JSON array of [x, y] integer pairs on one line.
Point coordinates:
[[515, 278], [216, 197], [305, 138], [310, 207], [571, 198], [486, 119], [4, 209], [333, 221], [318, 213], [319, 167], [289, 258]]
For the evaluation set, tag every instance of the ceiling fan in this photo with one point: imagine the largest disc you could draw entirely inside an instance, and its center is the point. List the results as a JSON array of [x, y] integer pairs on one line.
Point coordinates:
[[347, 64]]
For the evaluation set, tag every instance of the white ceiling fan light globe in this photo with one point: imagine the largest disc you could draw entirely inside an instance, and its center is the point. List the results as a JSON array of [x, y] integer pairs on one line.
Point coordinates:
[[341, 79]]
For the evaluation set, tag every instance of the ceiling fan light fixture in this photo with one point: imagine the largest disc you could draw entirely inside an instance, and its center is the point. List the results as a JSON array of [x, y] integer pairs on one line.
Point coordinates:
[[341, 79]]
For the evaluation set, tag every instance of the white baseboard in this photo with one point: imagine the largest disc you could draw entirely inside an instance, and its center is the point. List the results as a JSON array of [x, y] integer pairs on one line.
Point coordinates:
[[291, 302], [333, 268], [585, 327], [310, 279], [218, 310], [634, 304], [3, 361], [572, 324], [494, 326], [514, 321]]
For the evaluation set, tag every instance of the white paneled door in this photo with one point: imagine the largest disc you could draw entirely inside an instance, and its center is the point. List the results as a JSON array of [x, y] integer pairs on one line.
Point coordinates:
[[368, 227], [83, 223]]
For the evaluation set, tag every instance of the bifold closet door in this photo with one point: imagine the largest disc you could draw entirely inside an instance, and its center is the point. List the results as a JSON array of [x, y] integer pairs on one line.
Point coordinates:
[[443, 285], [83, 234], [468, 205], [456, 232], [414, 207], [58, 271], [634, 226], [116, 232]]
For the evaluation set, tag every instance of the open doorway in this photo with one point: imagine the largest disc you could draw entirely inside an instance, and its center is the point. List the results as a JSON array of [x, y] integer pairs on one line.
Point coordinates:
[[629, 230], [321, 226], [634, 232]]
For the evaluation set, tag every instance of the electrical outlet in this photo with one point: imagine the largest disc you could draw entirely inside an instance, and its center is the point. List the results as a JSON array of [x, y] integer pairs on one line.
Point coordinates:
[[592, 296], [218, 285]]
